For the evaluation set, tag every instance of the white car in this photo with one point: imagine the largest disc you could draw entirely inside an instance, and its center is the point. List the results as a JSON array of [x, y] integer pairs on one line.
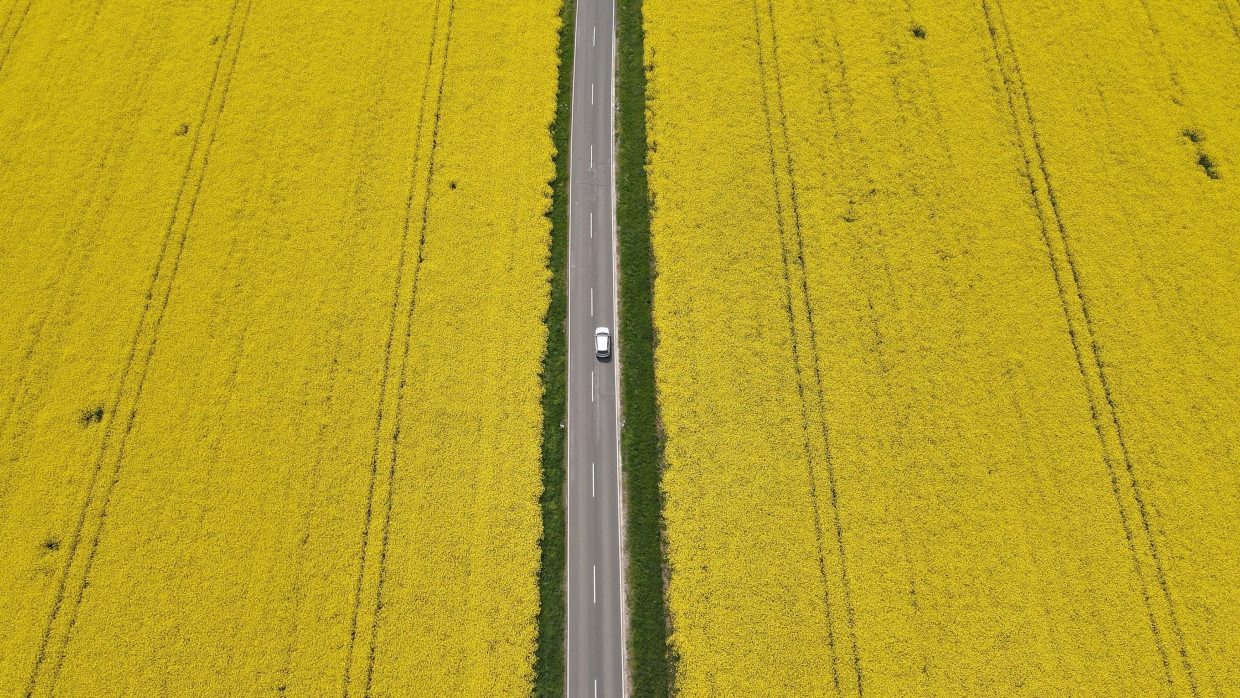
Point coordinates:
[[602, 342]]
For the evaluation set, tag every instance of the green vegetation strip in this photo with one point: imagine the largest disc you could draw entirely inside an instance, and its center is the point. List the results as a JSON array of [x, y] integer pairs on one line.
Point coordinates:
[[640, 444], [549, 661]]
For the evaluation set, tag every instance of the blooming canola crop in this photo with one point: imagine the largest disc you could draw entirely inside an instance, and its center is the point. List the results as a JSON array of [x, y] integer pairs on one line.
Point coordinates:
[[275, 278], [969, 421]]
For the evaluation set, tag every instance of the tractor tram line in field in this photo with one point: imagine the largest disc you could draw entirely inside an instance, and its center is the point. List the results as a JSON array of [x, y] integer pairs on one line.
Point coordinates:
[[4, 28], [1081, 332], [398, 421], [110, 459], [396, 410], [345, 278], [783, 163]]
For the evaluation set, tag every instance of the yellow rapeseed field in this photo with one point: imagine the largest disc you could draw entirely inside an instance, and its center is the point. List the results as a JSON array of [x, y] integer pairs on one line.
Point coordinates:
[[969, 421], [274, 277]]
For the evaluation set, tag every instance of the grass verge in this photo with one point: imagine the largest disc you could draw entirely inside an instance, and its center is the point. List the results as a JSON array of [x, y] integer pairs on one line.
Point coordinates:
[[549, 678], [640, 443]]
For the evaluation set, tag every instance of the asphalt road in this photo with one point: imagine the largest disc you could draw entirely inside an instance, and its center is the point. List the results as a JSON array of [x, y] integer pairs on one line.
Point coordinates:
[[596, 625]]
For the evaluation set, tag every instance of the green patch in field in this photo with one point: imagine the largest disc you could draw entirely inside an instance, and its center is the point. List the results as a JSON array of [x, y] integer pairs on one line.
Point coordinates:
[[640, 442], [549, 660]]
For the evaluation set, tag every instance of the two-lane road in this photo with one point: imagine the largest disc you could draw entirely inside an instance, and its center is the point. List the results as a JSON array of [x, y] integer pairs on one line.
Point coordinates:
[[596, 627]]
